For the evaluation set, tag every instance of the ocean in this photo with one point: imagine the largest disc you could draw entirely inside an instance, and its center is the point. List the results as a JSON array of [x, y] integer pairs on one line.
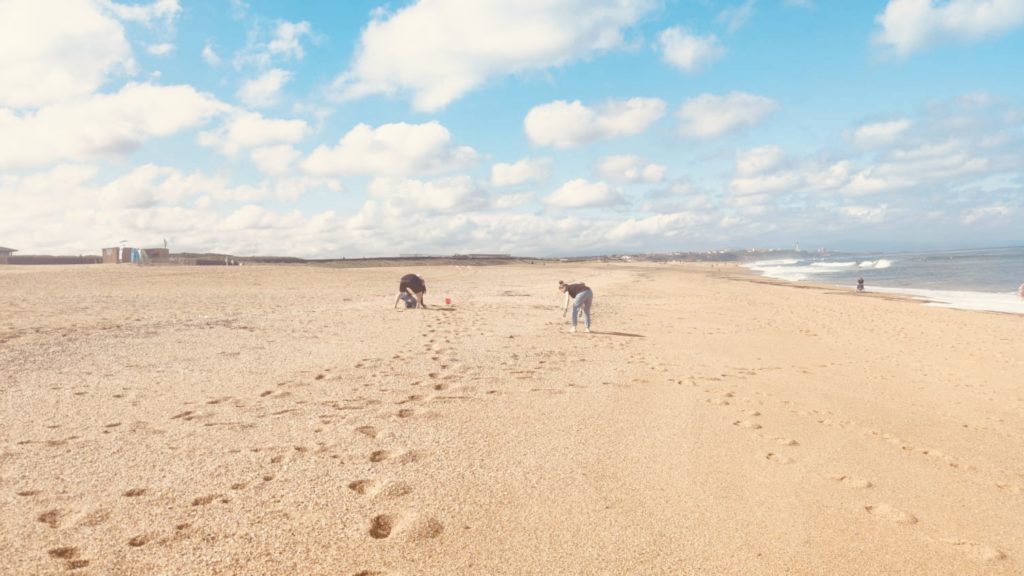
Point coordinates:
[[985, 279]]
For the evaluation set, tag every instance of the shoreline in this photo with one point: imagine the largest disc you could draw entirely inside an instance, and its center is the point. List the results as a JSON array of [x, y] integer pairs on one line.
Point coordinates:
[[974, 300]]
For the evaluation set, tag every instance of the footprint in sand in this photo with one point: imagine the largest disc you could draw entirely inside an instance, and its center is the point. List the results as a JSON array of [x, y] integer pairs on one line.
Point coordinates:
[[367, 431], [777, 458], [140, 540], [204, 500], [406, 413], [747, 424], [71, 555], [851, 481], [413, 527], [51, 518], [884, 510], [364, 487], [381, 526], [134, 492], [978, 550], [379, 455]]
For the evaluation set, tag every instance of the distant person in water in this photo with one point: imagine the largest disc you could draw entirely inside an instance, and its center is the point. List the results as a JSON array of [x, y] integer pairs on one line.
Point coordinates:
[[860, 284], [412, 286], [582, 297], [1020, 290]]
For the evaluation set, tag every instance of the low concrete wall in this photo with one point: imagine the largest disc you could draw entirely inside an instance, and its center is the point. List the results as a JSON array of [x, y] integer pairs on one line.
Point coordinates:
[[44, 260]]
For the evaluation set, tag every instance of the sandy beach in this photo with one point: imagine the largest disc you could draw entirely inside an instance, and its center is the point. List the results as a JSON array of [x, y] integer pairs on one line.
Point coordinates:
[[283, 420]]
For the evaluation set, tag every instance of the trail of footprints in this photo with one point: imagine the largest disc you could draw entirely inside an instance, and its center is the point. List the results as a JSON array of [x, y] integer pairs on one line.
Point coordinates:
[[442, 384], [783, 454]]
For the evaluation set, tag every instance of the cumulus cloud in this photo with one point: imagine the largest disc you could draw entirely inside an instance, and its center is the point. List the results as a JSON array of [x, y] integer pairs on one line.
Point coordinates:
[[630, 168], [165, 10], [287, 39], [438, 50], [736, 17], [580, 193], [507, 201], [880, 133], [866, 214], [274, 159], [660, 225], [391, 149], [676, 196], [949, 145], [986, 213], [71, 212], [264, 90], [525, 170], [210, 55], [709, 116], [758, 160], [242, 130], [160, 49], [393, 201], [564, 124], [909, 26], [54, 50], [689, 52], [102, 125]]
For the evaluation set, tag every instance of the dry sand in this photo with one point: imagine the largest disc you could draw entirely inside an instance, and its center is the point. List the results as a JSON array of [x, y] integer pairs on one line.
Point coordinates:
[[286, 420]]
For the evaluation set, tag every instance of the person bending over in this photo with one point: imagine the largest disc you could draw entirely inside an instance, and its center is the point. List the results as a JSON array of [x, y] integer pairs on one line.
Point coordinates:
[[581, 297], [414, 286]]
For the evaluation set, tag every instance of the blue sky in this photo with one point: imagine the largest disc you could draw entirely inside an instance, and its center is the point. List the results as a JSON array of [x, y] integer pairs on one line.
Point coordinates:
[[532, 127]]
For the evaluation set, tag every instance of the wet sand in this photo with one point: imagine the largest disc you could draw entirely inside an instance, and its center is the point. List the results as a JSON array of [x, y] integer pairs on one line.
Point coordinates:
[[286, 420]]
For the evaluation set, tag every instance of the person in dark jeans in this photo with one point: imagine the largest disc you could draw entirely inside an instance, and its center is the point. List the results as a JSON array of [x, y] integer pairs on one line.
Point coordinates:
[[582, 297], [412, 285]]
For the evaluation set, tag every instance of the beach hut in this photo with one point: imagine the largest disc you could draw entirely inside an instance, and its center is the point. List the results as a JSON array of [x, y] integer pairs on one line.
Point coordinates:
[[5, 253]]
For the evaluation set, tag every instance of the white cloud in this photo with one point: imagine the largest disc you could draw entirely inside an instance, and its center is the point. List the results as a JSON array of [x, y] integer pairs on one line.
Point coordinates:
[[439, 50], [630, 168], [391, 149], [564, 124], [393, 200], [758, 160], [866, 214], [54, 50], [508, 201], [880, 133], [274, 159], [525, 170], [210, 55], [985, 213], [580, 193], [909, 26], [287, 39], [708, 116], [101, 125], [765, 183], [165, 10], [265, 90], [150, 185], [687, 51], [661, 225], [251, 130], [736, 17], [160, 49]]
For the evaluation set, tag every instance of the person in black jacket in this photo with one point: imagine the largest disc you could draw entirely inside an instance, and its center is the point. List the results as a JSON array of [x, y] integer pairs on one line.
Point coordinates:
[[582, 297], [412, 285]]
